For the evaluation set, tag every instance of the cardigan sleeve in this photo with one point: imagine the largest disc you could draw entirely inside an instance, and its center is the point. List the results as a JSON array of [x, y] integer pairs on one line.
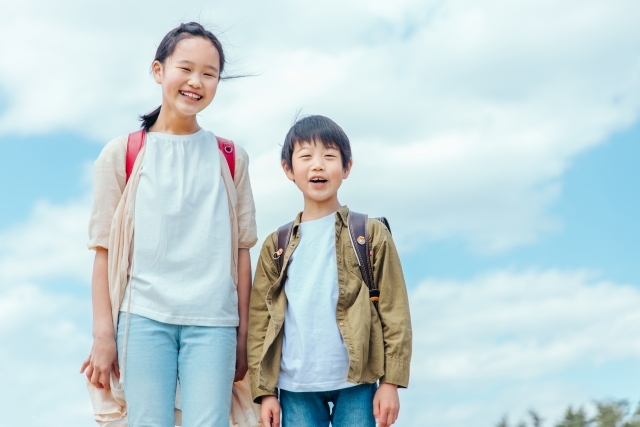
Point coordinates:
[[108, 185], [246, 210]]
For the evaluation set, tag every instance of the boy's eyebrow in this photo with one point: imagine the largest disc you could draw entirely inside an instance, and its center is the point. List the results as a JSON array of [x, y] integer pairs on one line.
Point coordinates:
[[186, 61]]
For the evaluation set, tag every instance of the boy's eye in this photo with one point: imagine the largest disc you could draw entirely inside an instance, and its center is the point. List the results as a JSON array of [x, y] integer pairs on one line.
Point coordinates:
[[185, 69]]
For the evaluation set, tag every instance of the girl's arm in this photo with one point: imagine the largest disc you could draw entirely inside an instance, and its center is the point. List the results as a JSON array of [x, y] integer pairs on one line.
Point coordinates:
[[104, 355], [244, 290]]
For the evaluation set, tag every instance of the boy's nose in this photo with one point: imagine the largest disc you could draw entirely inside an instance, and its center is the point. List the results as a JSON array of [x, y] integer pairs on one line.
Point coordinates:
[[317, 165]]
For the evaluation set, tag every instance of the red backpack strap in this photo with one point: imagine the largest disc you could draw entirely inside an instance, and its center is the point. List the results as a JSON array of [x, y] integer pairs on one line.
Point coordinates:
[[229, 151], [135, 142]]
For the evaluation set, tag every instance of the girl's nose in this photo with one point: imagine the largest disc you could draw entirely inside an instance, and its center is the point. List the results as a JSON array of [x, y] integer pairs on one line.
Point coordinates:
[[195, 82]]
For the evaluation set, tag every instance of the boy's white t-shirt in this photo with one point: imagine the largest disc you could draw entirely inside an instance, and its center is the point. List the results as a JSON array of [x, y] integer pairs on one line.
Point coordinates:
[[180, 271], [314, 356]]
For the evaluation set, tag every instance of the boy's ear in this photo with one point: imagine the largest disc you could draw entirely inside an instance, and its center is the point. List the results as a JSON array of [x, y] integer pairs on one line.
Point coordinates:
[[288, 171], [347, 170], [156, 70]]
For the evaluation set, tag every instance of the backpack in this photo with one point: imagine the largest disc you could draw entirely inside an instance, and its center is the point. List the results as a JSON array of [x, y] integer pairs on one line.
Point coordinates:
[[135, 142], [357, 224]]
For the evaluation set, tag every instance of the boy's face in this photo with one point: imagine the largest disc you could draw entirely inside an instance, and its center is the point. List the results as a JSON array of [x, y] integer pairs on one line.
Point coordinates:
[[317, 171]]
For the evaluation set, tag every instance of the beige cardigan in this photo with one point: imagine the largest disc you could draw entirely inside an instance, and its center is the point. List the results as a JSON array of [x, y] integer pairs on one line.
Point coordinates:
[[111, 227]]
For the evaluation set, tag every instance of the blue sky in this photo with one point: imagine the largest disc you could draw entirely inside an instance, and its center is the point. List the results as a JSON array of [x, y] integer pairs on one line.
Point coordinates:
[[502, 141], [599, 210]]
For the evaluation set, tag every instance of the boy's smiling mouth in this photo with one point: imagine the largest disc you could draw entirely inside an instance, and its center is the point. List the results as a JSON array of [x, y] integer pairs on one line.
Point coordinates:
[[191, 95]]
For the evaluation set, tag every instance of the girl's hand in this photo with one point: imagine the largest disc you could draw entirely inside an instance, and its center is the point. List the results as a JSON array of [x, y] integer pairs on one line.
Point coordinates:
[[270, 412], [241, 358], [386, 405], [103, 358]]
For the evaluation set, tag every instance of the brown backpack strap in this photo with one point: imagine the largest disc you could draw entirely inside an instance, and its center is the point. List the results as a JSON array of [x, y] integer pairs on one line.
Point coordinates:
[[385, 222], [358, 225], [284, 235]]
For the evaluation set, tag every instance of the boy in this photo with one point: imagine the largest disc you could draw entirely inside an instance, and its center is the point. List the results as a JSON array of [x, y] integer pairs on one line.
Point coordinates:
[[314, 335]]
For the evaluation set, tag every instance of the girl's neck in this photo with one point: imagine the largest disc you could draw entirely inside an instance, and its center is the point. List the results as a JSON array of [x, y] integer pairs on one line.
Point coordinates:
[[175, 124], [316, 210]]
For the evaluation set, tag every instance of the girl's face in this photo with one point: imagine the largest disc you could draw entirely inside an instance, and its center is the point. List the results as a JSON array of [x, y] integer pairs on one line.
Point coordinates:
[[189, 77]]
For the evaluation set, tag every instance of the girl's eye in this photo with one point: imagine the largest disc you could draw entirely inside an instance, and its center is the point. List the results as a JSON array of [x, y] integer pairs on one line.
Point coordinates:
[[185, 69], [209, 75]]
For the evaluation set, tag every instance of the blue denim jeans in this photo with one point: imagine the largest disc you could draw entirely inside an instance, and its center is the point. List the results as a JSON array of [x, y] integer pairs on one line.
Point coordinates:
[[158, 355], [352, 407]]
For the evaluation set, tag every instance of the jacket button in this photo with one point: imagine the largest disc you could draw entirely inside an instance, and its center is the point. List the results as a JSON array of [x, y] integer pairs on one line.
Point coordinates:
[[341, 292], [341, 323]]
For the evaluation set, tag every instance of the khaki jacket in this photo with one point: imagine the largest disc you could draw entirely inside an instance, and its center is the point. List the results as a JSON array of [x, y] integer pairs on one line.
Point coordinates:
[[379, 346]]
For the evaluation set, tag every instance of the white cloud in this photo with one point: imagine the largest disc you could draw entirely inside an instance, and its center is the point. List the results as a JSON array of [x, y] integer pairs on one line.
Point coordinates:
[[463, 115], [500, 343], [45, 336], [51, 243]]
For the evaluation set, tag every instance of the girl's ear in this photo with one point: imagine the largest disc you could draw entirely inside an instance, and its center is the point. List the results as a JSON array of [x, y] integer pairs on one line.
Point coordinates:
[[288, 171], [347, 170], [156, 69]]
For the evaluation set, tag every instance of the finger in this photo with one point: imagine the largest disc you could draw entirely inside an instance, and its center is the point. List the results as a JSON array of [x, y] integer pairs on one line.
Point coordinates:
[[95, 378], [265, 418], [276, 418], [391, 418], [89, 373], [85, 364], [376, 409], [396, 412], [105, 379], [382, 419], [116, 370]]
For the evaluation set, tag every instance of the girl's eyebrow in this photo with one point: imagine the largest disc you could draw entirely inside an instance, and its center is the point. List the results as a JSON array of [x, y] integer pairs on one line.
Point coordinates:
[[186, 61]]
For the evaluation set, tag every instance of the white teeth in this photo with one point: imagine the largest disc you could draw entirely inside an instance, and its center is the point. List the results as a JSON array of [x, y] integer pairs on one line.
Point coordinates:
[[191, 95]]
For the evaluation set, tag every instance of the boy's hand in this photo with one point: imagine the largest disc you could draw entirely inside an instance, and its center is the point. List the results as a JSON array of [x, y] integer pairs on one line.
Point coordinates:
[[386, 405], [270, 412], [241, 359], [103, 358]]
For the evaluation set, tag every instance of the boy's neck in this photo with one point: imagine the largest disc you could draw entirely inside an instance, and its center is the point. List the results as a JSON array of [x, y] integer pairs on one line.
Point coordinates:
[[315, 210], [175, 124]]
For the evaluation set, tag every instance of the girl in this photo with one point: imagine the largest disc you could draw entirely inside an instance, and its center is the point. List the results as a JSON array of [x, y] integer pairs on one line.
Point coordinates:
[[170, 301]]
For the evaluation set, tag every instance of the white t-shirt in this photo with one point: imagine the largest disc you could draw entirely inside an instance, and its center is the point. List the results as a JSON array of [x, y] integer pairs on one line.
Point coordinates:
[[314, 357], [180, 272]]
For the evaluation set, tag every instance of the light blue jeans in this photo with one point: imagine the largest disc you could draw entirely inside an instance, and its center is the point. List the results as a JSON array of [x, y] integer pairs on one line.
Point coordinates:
[[158, 355], [352, 407]]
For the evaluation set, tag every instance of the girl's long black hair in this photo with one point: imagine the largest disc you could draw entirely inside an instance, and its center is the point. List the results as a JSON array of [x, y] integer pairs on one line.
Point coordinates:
[[168, 46]]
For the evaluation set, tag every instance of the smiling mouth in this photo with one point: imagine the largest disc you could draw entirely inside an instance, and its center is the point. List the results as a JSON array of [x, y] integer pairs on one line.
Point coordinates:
[[318, 180], [191, 95]]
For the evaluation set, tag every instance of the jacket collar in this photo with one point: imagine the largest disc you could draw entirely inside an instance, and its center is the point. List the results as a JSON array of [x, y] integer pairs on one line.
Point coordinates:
[[342, 215]]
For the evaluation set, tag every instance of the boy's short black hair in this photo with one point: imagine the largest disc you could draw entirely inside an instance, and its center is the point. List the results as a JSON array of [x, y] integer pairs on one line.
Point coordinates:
[[315, 129]]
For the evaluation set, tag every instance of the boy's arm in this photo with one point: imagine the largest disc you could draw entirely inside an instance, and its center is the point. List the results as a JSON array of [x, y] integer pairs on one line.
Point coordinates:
[[259, 317], [393, 306], [244, 289]]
